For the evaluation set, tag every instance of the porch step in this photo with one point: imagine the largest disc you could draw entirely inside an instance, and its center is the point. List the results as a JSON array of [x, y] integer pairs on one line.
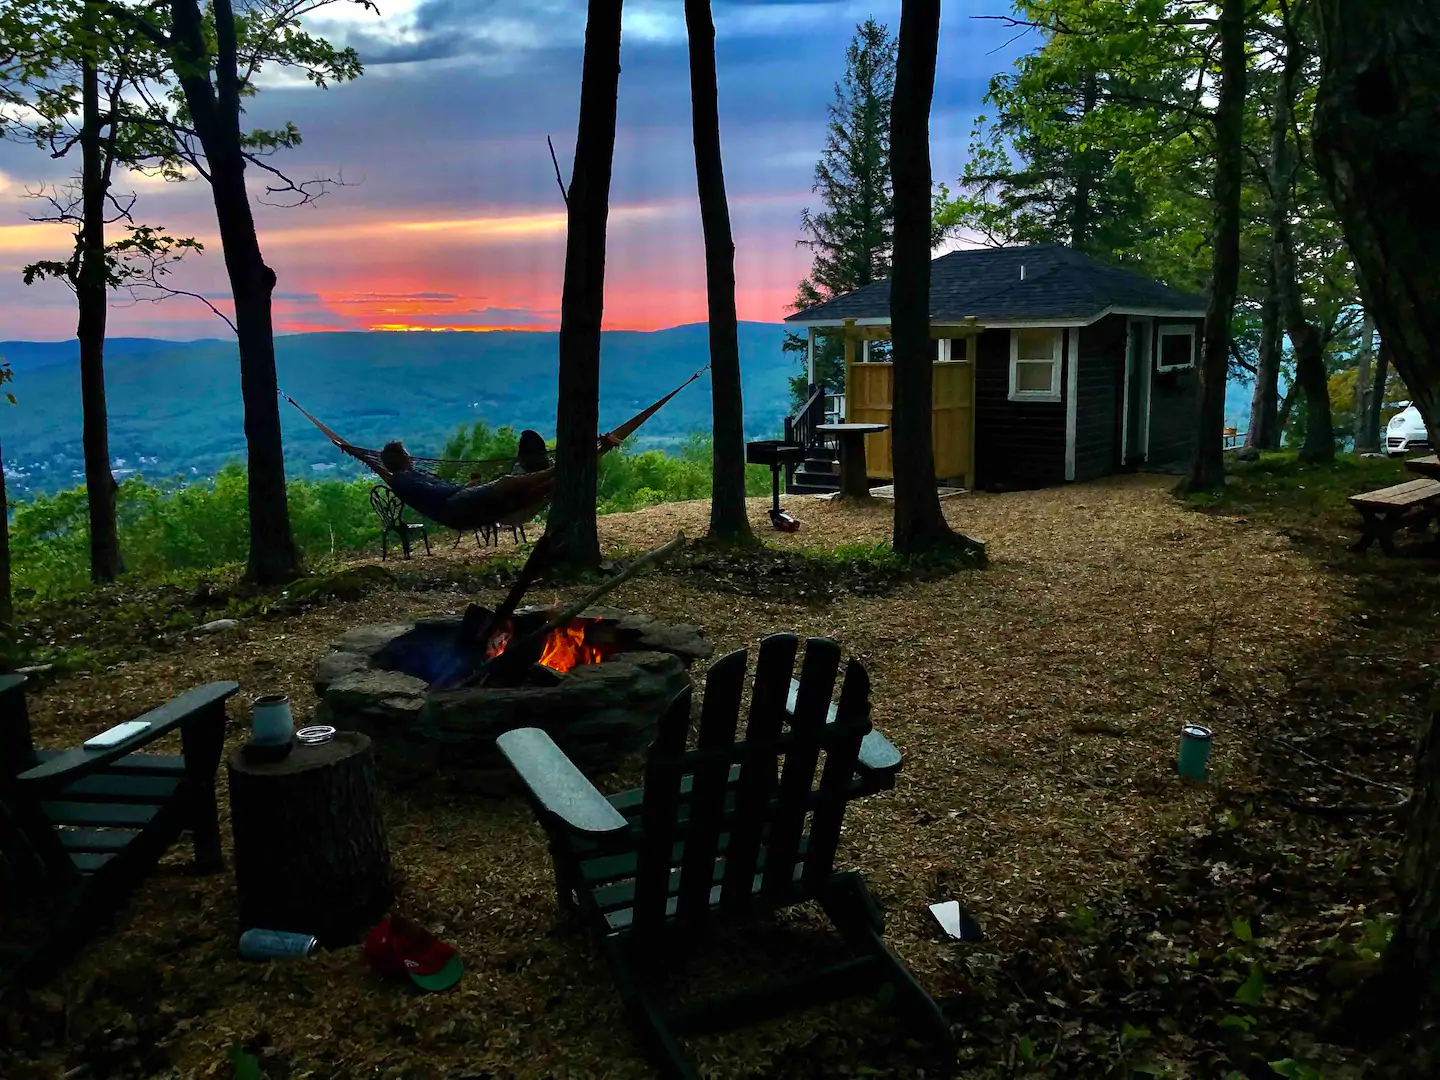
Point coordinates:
[[813, 478], [798, 488]]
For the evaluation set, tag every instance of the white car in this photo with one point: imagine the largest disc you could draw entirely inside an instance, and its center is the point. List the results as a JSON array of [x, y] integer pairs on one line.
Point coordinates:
[[1406, 432]]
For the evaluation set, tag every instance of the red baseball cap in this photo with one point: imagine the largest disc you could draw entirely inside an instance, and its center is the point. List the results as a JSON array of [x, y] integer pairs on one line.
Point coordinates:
[[398, 946]]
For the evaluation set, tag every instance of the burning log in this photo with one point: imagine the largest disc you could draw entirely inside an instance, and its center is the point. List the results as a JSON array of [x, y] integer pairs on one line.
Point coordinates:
[[481, 625], [513, 662]]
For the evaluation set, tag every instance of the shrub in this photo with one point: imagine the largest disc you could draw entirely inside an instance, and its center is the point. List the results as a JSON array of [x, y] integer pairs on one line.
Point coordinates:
[[173, 525]]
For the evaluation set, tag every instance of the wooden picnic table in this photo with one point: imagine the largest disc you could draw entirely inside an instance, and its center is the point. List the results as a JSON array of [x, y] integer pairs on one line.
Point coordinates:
[[854, 478], [1385, 511], [1425, 466]]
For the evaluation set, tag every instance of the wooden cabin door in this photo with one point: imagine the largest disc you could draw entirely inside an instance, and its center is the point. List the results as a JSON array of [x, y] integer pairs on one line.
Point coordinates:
[[1135, 428]]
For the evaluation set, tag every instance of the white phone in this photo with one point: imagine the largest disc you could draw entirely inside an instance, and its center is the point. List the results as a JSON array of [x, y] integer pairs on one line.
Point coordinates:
[[117, 734]]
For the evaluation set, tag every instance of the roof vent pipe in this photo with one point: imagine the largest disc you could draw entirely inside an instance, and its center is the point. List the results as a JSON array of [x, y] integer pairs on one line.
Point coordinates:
[[1022, 271]]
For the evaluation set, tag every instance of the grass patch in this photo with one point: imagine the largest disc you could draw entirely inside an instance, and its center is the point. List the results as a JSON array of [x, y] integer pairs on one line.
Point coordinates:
[[1280, 486]]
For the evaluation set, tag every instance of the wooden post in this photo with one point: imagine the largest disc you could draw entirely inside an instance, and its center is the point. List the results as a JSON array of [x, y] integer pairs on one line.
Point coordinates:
[[849, 333]]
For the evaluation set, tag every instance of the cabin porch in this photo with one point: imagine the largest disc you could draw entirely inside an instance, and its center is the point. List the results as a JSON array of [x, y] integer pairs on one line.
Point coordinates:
[[868, 398]]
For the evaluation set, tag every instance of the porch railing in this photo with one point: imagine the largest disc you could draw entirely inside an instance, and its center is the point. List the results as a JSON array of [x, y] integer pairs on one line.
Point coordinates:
[[800, 427]]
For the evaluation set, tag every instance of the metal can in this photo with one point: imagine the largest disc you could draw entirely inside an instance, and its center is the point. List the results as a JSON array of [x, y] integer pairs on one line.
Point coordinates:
[[1192, 762], [272, 944]]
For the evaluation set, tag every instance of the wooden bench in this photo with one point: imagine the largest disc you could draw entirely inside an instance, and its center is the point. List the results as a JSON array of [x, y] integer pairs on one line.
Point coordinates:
[[1386, 511]]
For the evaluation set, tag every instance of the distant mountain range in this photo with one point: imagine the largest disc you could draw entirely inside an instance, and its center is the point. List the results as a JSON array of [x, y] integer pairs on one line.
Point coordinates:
[[175, 406]]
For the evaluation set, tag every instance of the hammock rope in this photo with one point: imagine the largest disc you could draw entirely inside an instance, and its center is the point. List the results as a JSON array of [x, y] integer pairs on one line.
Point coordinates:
[[495, 492]]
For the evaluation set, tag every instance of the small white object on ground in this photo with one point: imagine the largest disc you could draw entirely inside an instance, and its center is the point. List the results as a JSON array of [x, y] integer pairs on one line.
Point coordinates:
[[948, 915], [218, 626]]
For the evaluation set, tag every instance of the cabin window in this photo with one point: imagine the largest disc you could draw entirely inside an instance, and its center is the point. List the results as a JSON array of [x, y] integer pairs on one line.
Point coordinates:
[[1176, 348], [1035, 364], [876, 352]]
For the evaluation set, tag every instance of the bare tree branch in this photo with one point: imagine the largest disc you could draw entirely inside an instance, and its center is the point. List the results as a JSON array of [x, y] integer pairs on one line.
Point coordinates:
[[556, 162]]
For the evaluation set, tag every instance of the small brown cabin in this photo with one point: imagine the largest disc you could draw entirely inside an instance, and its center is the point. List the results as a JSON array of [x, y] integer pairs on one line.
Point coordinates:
[[1050, 366]]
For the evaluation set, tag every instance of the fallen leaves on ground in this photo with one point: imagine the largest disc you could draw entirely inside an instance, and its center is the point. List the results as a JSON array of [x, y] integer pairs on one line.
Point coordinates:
[[1132, 920]]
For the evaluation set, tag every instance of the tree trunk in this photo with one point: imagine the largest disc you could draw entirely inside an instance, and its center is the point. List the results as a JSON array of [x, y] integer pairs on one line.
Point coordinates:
[[1265, 424], [1310, 373], [1207, 470], [90, 297], [1304, 335], [1377, 146], [571, 522], [216, 115], [1414, 955], [728, 517], [1377, 397], [311, 855], [919, 524], [1362, 386], [7, 603]]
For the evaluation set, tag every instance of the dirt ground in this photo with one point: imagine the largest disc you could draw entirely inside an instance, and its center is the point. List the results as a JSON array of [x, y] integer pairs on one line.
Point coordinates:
[[1037, 704]]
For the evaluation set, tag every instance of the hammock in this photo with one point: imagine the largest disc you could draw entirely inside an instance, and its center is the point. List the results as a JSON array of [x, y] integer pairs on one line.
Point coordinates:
[[500, 490]]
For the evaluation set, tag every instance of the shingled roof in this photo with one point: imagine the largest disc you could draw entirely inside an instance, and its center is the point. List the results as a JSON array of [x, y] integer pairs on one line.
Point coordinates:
[[1059, 283]]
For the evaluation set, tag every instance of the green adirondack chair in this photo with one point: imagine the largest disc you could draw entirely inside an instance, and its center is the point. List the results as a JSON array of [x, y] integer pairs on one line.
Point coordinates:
[[79, 828], [719, 832]]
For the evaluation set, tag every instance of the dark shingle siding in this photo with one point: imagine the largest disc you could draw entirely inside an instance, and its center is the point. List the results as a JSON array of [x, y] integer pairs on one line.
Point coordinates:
[[1018, 444], [1097, 416], [1059, 283]]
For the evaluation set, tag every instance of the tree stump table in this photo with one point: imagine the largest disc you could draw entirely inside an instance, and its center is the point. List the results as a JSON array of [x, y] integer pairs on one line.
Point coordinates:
[[310, 850], [854, 476]]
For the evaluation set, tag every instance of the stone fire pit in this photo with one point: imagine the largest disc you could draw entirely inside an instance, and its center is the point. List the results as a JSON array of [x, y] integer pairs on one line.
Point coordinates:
[[378, 680]]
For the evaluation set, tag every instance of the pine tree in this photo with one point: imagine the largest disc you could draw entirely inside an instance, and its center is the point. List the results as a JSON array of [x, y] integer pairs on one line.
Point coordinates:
[[853, 234]]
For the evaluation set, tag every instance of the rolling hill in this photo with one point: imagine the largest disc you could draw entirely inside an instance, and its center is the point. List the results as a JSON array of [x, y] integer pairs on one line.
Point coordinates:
[[175, 406]]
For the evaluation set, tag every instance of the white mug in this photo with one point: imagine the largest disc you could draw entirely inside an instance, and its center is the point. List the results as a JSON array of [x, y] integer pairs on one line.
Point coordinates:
[[270, 721]]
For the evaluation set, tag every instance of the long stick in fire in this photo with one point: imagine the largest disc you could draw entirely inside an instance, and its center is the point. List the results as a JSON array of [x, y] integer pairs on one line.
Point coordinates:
[[527, 650]]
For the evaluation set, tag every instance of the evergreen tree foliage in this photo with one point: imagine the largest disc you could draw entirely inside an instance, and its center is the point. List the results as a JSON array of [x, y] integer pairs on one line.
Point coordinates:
[[851, 236]]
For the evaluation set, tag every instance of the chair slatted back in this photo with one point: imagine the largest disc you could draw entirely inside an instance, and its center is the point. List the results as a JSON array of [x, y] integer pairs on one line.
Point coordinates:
[[817, 683], [720, 712], [852, 724], [758, 766], [714, 842], [658, 816]]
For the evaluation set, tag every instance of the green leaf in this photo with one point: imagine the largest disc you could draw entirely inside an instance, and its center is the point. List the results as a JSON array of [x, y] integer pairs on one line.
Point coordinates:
[[1295, 1070], [247, 1065], [1130, 1034], [1027, 1048], [1241, 928], [1252, 990], [1237, 1022]]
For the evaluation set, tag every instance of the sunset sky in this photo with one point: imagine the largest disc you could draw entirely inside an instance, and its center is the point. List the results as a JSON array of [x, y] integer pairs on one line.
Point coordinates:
[[453, 217]]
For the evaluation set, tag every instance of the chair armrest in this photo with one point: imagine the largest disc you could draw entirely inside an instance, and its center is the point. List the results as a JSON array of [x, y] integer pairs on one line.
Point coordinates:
[[557, 786], [73, 764], [879, 760]]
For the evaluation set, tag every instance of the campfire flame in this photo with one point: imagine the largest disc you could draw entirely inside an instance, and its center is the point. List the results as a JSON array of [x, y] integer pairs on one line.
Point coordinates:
[[565, 647]]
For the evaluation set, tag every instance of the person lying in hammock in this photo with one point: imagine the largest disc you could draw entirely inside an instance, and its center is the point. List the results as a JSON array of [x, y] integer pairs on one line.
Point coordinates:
[[469, 506]]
